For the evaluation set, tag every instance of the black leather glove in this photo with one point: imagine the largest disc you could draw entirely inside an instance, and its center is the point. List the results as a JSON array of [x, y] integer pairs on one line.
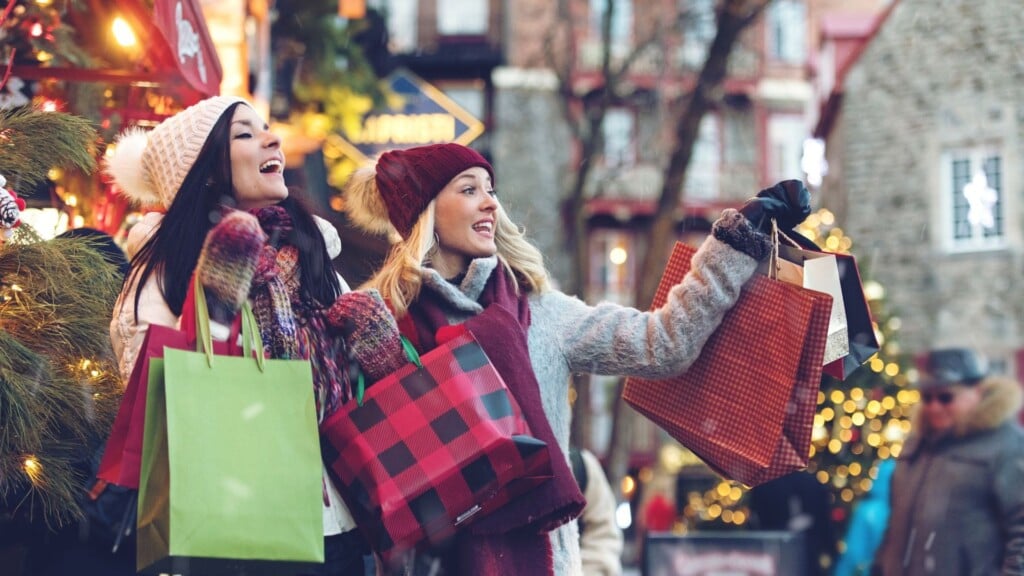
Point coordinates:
[[788, 202]]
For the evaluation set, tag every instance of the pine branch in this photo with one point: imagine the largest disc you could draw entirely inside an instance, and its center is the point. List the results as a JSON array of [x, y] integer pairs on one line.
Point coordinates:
[[55, 294], [33, 141], [59, 385]]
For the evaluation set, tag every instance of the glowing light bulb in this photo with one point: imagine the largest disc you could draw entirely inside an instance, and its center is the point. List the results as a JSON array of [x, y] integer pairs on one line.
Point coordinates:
[[123, 33]]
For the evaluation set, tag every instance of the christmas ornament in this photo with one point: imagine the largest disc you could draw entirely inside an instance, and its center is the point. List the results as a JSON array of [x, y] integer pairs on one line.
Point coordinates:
[[10, 209]]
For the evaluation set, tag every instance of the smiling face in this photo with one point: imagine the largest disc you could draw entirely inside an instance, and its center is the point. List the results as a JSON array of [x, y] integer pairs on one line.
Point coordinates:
[[464, 221], [257, 162]]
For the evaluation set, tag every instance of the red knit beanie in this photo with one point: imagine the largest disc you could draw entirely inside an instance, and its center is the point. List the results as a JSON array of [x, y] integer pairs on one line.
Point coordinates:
[[409, 179]]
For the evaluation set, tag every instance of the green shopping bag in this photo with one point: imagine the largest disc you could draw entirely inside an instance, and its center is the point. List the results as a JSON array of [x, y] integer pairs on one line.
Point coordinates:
[[231, 476]]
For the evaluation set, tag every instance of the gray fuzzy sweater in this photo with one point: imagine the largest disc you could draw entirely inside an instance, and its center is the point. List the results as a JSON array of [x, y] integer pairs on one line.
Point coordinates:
[[568, 336]]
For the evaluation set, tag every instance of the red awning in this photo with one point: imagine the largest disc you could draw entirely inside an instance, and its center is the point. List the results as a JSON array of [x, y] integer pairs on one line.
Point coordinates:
[[183, 28], [178, 49]]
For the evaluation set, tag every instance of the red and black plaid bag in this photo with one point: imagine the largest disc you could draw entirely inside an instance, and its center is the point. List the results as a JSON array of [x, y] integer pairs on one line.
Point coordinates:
[[431, 448], [746, 405]]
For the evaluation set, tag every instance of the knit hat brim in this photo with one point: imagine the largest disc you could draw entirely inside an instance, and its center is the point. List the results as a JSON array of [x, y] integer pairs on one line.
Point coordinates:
[[149, 167]]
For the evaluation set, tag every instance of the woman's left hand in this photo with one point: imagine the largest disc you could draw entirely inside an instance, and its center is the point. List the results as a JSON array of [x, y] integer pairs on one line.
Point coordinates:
[[370, 332]]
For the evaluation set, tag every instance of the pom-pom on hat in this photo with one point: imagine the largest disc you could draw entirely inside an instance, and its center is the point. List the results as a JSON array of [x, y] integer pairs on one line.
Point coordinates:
[[406, 182], [149, 167], [951, 366]]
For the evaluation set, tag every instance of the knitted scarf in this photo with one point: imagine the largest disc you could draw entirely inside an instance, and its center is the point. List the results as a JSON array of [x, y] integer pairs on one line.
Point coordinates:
[[514, 539], [294, 326]]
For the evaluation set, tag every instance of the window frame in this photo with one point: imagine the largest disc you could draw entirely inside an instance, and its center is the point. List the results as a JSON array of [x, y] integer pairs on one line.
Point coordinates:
[[955, 209], [778, 46], [455, 12]]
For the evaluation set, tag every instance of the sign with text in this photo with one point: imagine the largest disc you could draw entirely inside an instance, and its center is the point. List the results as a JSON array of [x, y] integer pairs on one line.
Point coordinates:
[[418, 114], [724, 554]]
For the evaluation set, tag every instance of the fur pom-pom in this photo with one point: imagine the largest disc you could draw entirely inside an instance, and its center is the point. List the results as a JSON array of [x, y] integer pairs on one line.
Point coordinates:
[[125, 167], [364, 205]]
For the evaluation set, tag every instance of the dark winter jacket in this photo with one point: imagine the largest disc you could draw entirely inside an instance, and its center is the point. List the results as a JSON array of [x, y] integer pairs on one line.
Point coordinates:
[[958, 502]]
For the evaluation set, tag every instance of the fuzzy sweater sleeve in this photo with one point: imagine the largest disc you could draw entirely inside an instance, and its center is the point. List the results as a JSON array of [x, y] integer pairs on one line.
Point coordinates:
[[617, 340]]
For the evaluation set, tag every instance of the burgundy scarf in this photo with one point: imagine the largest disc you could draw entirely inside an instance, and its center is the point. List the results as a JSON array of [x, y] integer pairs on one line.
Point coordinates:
[[509, 541]]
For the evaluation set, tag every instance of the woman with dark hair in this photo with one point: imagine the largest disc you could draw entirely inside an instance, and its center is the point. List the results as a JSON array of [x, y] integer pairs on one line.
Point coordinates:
[[218, 173]]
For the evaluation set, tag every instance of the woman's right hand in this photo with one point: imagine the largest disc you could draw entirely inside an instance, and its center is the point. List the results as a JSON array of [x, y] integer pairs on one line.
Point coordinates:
[[229, 257]]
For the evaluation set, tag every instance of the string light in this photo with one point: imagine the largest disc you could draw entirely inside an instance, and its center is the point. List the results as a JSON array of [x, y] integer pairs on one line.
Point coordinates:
[[33, 469]]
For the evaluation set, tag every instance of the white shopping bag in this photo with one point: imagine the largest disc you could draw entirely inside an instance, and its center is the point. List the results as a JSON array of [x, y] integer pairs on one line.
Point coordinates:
[[818, 271]]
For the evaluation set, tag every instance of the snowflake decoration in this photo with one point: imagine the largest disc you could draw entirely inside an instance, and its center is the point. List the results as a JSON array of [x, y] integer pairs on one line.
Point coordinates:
[[981, 199]]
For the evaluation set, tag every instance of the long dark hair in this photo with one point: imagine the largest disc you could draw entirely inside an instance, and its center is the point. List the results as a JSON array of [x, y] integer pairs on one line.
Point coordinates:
[[174, 247]]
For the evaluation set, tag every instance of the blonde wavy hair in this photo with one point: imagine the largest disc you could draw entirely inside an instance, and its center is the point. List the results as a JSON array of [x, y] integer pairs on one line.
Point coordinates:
[[400, 278]]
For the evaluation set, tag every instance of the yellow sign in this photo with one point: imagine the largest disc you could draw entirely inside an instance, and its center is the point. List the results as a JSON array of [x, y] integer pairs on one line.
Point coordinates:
[[421, 115]]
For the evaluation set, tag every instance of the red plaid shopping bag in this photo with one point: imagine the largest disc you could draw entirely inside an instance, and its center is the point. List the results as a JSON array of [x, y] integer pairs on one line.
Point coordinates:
[[434, 446], [746, 405]]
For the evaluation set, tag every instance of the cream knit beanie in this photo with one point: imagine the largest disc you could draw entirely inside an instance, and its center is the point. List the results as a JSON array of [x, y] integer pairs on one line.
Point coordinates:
[[149, 167]]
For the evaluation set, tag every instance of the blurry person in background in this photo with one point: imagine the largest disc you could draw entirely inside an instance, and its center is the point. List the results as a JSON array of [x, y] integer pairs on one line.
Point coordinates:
[[958, 489], [601, 539], [867, 525]]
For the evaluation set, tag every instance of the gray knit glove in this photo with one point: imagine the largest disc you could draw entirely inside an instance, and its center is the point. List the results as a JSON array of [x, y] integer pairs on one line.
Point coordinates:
[[737, 231]]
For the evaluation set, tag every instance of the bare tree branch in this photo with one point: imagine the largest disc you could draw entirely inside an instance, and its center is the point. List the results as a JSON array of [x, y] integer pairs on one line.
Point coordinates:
[[734, 16]]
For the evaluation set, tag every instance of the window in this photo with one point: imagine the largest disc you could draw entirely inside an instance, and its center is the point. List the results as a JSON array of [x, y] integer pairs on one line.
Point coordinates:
[[462, 17], [786, 135], [401, 17], [787, 31], [617, 131], [622, 24], [972, 185], [699, 29], [702, 175], [611, 265]]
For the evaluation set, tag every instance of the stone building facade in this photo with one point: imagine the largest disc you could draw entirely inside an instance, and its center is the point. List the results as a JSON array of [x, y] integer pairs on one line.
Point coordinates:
[[927, 172]]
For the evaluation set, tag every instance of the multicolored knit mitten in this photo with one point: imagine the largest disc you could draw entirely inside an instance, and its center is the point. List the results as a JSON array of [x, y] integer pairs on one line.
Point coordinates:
[[228, 260], [370, 332]]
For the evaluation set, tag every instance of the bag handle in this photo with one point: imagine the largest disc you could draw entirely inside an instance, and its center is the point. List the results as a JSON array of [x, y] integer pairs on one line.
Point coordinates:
[[773, 260], [410, 353], [188, 324], [252, 341]]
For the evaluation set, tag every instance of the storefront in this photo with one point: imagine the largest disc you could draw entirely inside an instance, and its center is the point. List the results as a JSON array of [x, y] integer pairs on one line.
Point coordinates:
[[115, 63]]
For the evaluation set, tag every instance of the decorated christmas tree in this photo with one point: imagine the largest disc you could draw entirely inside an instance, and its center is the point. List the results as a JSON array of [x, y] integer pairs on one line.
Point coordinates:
[[863, 419], [59, 388]]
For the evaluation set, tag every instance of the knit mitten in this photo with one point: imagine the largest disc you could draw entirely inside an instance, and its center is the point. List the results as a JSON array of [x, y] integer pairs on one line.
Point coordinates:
[[370, 332], [735, 230], [228, 260]]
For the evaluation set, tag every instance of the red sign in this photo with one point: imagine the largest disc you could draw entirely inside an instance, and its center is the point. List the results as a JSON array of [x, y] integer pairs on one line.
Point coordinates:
[[183, 26]]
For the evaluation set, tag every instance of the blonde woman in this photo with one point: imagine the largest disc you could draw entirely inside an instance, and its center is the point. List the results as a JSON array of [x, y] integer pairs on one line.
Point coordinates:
[[459, 259]]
